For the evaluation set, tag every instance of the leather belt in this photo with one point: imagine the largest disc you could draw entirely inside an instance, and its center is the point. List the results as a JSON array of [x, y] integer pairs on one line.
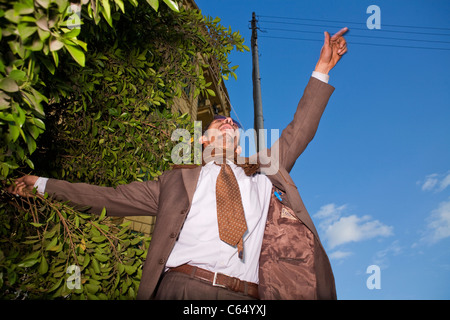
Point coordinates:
[[219, 280]]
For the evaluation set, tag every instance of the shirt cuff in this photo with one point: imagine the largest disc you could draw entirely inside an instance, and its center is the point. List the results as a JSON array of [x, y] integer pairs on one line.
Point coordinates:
[[41, 184], [321, 76]]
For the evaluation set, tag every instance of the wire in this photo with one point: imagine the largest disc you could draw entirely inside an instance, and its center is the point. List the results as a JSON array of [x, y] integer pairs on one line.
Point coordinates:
[[358, 23], [369, 44], [360, 36], [378, 31], [353, 28]]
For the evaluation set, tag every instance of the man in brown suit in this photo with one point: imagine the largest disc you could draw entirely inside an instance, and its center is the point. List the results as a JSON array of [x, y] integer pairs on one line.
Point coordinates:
[[282, 256]]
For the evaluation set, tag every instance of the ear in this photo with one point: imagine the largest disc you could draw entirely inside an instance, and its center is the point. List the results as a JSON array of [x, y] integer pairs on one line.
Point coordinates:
[[238, 150]]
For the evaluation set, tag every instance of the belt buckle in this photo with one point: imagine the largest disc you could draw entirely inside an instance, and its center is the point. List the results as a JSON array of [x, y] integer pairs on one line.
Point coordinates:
[[214, 281]]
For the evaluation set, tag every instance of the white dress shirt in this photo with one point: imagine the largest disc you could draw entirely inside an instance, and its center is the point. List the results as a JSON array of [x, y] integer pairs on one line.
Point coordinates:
[[199, 244]]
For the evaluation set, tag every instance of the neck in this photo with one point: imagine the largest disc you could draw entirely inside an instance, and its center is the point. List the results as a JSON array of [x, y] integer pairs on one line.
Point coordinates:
[[219, 155]]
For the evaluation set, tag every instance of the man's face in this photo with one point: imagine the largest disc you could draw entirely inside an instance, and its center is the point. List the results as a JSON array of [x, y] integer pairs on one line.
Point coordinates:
[[223, 133]]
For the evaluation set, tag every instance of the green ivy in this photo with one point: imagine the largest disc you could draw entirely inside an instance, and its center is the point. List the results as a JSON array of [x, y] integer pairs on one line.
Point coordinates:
[[44, 45], [46, 238], [85, 95]]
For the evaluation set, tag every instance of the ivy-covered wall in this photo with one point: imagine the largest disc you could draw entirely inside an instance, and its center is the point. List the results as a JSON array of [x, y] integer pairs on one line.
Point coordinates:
[[85, 96]]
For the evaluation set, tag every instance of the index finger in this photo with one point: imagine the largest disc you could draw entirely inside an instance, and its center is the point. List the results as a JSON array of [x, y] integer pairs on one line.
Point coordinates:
[[339, 33]]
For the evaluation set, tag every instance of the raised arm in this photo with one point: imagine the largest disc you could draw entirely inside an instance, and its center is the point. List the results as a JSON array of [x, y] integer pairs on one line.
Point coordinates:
[[297, 135]]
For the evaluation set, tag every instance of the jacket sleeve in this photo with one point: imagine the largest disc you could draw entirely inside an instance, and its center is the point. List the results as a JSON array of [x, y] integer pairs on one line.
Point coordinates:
[[301, 130], [134, 199]]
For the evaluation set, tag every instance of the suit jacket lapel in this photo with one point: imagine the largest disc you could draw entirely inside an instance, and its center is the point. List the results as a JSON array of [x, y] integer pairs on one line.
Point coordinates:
[[190, 179]]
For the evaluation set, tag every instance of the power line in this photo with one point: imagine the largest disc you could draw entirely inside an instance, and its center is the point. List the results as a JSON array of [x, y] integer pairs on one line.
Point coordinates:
[[369, 44], [358, 23], [353, 28], [360, 36], [371, 36]]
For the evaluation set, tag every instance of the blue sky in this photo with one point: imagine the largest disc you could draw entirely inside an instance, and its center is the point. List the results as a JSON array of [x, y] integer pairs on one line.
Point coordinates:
[[376, 177]]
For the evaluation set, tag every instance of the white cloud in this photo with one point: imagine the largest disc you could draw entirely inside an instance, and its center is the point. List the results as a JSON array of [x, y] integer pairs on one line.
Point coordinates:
[[329, 213], [445, 182], [435, 182], [353, 228], [340, 229], [438, 227], [381, 257], [430, 182], [340, 254]]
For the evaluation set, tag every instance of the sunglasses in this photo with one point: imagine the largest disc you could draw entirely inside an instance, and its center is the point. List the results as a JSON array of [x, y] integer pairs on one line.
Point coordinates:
[[221, 118]]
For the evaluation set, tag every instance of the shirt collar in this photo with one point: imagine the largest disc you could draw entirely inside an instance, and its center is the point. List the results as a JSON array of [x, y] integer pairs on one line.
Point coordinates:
[[229, 162]]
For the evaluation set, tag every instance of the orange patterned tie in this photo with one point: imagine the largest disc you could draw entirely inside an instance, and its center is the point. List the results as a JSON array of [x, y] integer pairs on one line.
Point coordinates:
[[230, 212]]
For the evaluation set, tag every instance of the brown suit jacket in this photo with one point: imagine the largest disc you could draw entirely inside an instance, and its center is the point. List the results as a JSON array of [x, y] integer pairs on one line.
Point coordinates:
[[293, 263]]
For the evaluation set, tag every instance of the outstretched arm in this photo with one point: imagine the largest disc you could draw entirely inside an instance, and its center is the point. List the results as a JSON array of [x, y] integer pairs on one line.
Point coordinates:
[[297, 135], [134, 199]]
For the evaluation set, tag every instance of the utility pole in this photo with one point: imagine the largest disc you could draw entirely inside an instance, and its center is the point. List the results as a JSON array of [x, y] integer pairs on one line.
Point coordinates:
[[257, 101]]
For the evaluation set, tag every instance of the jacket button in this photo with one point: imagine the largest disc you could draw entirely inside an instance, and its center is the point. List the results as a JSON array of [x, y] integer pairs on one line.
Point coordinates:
[[183, 211], [161, 261], [173, 235]]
